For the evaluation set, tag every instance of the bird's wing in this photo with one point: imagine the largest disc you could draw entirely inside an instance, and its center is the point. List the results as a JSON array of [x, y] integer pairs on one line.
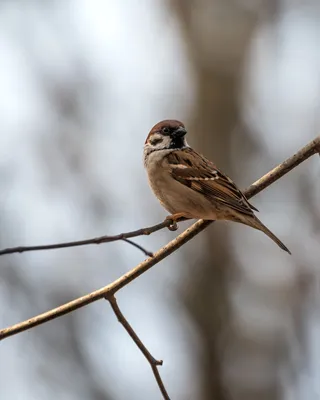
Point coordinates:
[[201, 175]]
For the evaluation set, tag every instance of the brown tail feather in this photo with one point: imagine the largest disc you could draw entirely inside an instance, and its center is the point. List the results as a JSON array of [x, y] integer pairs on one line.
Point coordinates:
[[255, 222]]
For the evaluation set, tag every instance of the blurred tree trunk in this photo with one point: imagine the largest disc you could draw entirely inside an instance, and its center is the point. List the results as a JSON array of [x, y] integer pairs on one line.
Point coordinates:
[[217, 34]]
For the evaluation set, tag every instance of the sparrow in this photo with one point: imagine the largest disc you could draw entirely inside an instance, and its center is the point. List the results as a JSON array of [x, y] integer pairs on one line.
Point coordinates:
[[190, 186]]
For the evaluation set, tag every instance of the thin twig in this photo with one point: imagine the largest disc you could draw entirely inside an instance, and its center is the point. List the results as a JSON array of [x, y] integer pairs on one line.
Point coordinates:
[[275, 174], [151, 360], [286, 166], [98, 240], [138, 246]]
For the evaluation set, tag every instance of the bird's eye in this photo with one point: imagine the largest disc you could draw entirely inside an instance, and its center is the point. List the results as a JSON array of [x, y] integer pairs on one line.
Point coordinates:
[[165, 130]]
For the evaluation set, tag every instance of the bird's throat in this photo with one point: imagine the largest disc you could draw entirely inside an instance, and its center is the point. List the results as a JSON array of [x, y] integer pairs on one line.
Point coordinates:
[[177, 143]]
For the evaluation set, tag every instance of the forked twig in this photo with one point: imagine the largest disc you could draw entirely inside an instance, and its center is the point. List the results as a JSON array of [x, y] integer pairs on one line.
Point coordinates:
[[151, 360], [98, 240]]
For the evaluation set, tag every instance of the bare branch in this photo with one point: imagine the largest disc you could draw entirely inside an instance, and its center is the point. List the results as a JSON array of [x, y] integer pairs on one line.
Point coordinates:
[[98, 240], [109, 290], [151, 360], [286, 166]]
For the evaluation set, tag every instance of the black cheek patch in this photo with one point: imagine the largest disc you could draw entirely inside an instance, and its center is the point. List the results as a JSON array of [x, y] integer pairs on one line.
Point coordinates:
[[154, 142]]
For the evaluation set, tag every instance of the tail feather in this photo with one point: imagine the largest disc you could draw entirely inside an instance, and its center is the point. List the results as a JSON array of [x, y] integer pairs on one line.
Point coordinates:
[[256, 223]]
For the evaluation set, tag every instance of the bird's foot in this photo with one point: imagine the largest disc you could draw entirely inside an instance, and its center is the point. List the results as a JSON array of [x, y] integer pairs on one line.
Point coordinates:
[[174, 218]]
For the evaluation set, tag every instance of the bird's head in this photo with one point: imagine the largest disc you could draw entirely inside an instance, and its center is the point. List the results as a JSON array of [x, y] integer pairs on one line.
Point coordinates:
[[165, 135]]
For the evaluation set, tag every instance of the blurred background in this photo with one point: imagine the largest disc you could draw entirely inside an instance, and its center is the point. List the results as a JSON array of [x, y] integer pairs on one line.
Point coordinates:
[[81, 84]]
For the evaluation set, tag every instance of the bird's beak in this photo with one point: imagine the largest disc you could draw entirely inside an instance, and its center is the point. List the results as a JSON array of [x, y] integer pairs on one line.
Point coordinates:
[[180, 132]]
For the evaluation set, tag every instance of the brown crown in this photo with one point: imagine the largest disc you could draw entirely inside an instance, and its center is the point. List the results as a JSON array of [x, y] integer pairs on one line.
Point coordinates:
[[170, 123]]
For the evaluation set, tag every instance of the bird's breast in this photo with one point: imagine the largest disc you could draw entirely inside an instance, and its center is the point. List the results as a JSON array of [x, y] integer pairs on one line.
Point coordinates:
[[175, 196]]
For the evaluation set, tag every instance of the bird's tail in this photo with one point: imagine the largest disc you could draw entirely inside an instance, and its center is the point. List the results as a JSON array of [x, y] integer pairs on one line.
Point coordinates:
[[255, 222]]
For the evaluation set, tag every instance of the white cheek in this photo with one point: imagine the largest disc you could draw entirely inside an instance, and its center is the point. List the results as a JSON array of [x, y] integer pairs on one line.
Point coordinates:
[[165, 144]]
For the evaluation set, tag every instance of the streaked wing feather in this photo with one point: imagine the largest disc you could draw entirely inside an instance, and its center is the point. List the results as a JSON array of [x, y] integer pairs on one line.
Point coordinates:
[[209, 181]]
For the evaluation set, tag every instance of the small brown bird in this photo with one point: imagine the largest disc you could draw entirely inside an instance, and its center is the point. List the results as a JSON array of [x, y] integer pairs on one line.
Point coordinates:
[[190, 186]]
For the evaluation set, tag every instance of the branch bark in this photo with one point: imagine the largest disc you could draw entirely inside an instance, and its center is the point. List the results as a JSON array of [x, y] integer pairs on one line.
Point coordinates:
[[151, 360], [107, 291], [98, 240]]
